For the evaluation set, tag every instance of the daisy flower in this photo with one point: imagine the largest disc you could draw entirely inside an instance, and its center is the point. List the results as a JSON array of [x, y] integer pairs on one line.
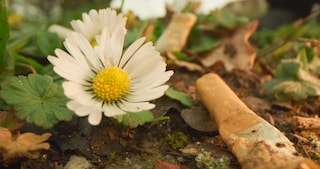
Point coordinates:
[[94, 22], [104, 79]]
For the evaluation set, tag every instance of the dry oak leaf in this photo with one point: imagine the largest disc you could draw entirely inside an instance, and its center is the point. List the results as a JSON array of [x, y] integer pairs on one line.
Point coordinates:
[[234, 51], [24, 145]]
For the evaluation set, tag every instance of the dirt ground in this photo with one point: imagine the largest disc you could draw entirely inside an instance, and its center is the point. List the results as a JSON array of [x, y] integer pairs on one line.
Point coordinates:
[[110, 146]]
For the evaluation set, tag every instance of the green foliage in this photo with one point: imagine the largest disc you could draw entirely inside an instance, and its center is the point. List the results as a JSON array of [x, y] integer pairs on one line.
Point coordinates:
[[47, 42], [131, 36], [223, 19], [177, 141], [209, 30], [181, 56], [206, 160], [181, 97], [135, 119], [293, 81], [37, 100], [4, 31], [48, 70], [200, 42]]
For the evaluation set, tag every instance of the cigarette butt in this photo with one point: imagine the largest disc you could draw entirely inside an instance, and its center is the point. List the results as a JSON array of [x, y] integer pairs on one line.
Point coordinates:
[[256, 143], [176, 34]]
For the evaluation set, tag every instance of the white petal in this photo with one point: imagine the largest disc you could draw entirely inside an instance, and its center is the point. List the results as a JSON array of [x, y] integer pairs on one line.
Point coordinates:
[[147, 58], [146, 95], [86, 110], [131, 50], [80, 27], [79, 48], [94, 22], [111, 110], [95, 118], [72, 105], [151, 81], [111, 46], [110, 20], [78, 93], [117, 45], [68, 67], [135, 107], [94, 114]]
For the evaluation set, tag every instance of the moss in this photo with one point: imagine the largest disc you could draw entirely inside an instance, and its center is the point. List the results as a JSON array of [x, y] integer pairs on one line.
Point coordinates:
[[176, 141], [206, 160]]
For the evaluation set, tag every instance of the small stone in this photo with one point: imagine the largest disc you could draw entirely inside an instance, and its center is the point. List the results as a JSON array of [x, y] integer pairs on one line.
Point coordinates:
[[76, 162]]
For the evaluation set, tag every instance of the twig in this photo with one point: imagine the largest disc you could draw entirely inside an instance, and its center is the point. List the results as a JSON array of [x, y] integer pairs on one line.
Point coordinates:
[[307, 122], [32, 69]]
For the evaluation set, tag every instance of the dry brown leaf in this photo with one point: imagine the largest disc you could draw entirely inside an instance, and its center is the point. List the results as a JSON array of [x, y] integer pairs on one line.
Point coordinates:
[[199, 119], [9, 120], [234, 51], [165, 165], [188, 65], [24, 145]]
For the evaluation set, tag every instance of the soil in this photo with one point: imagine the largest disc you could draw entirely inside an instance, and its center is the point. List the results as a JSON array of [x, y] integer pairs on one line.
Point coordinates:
[[111, 146]]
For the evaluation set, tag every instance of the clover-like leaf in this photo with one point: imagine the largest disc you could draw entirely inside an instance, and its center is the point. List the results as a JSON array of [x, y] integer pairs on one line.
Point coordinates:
[[37, 100], [181, 97], [23, 145], [294, 90], [292, 82], [135, 119]]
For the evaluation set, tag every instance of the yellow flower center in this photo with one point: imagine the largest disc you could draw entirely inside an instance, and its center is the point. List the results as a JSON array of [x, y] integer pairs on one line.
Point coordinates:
[[93, 42], [111, 84]]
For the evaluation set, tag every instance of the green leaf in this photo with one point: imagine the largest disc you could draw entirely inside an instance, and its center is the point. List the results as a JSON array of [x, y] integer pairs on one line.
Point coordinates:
[[4, 30], [292, 82], [181, 56], [134, 119], [294, 90], [47, 42], [131, 36], [288, 69], [181, 97], [201, 43], [48, 70], [303, 58], [28, 61], [37, 100]]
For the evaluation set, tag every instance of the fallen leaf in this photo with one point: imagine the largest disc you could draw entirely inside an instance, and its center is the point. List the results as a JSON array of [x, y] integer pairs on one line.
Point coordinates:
[[188, 65], [24, 145], [234, 51], [165, 165], [199, 119], [9, 120]]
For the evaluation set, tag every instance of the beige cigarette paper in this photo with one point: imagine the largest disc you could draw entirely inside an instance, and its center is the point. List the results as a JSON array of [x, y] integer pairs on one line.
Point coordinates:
[[176, 34], [256, 143]]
